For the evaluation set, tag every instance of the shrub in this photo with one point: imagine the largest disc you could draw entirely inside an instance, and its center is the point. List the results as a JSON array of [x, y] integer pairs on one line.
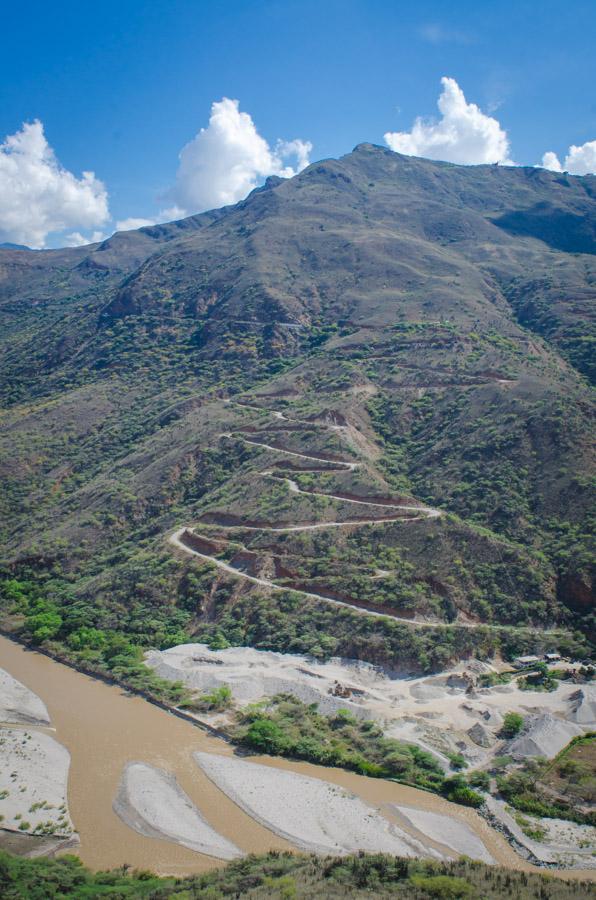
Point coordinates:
[[456, 790], [444, 887], [479, 780]]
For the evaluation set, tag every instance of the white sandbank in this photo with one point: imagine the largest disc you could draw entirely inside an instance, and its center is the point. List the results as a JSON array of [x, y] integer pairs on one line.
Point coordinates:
[[34, 772], [150, 801], [19, 705], [446, 830], [314, 815]]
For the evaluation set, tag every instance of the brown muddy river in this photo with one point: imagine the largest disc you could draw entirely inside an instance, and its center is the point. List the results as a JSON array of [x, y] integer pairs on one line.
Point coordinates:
[[104, 728]]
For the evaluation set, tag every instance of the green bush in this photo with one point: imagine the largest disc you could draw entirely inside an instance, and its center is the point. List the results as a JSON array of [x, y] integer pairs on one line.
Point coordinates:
[[512, 725], [286, 726], [457, 790], [443, 887]]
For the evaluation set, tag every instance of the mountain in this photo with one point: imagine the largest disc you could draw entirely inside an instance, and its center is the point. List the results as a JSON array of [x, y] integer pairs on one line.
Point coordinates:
[[393, 350]]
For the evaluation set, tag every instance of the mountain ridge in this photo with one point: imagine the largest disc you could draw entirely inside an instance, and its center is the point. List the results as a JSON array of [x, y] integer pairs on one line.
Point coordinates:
[[435, 315]]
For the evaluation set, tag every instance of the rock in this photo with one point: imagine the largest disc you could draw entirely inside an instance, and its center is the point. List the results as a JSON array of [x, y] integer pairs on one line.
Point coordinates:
[[461, 681], [480, 735], [492, 717]]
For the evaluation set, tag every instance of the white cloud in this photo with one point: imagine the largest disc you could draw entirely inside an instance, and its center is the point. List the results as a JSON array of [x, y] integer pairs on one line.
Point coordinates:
[[550, 161], [579, 160], [463, 134], [38, 196], [133, 222], [76, 239], [164, 215], [229, 158]]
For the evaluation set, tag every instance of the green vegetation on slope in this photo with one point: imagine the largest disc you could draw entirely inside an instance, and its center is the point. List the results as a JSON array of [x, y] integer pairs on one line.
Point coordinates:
[[110, 637], [284, 876], [284, 726], [561, 788], [429, 322]]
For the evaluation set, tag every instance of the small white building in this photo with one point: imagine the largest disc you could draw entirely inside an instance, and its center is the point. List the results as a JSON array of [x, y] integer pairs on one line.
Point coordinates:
[[525, 662], [552, 657]]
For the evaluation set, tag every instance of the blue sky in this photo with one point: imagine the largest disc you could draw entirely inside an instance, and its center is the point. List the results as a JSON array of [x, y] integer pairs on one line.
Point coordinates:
[[122, 87]]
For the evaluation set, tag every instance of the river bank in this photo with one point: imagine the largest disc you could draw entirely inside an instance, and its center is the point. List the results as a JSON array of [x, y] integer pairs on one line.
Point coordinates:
[[104, 728]]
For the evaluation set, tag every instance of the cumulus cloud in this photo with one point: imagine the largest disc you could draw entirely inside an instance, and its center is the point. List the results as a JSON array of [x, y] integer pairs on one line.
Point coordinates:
[[164, 215], [38, 196], [463, 134], [579, 160], [133, 222], [229, 158], [76, 239]]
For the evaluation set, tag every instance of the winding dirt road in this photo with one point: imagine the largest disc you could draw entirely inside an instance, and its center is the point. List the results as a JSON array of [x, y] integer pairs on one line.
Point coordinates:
[[177, 540], [423, 512]]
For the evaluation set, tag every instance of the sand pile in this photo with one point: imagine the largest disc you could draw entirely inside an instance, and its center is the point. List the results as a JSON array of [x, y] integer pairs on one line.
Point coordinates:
[[446, 830], [33, 781], [314, 815], [253, 674], [151, 801], [18, 704], [544, 735], [481, 735], [584, 706], [434, 712]]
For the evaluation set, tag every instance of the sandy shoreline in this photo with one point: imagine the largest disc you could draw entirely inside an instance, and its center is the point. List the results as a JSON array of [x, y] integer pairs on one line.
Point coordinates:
[[455, 835], [105, 729], [152, 802], [316, 816], [19, 705], [33, 783]]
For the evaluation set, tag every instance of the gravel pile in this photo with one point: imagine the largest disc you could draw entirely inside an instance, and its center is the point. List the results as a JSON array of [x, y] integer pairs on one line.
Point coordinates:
[[544, 736], [584, 705]]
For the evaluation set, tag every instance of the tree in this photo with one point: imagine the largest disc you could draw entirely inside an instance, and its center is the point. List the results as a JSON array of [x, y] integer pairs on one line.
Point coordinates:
[[512, 725], [266, 735], [43, 626]]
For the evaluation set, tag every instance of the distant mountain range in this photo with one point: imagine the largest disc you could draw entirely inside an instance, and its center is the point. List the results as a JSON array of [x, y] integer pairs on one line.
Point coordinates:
[[391, 332]]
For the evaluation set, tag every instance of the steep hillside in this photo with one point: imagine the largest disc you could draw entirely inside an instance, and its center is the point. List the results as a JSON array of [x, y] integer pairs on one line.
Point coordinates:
[[363, 390]]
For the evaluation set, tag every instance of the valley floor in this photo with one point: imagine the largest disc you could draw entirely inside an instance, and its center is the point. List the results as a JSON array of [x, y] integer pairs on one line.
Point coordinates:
[[150, 790]]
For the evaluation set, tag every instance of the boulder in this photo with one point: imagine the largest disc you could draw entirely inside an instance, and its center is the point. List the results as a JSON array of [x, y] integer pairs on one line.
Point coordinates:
[[480, 735]]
